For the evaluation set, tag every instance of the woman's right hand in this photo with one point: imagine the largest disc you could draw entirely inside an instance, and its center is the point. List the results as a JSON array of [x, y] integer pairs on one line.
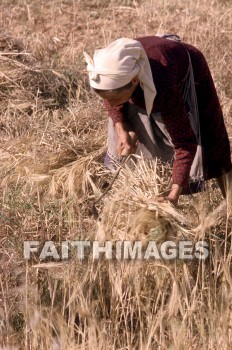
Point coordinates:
[[124, 141]]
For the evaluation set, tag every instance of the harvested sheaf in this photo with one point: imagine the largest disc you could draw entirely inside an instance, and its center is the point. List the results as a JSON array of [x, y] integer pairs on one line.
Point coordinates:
[[131, 210]]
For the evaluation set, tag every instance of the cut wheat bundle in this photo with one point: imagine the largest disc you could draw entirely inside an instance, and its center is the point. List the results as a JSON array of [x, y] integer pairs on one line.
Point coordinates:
[[131, 209]]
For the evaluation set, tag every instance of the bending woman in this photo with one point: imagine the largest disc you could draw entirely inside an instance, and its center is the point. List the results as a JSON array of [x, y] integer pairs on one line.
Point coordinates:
[[163, 90]]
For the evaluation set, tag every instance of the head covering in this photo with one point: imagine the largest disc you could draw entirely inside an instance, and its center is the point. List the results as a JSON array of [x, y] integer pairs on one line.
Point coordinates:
[[117, 64]]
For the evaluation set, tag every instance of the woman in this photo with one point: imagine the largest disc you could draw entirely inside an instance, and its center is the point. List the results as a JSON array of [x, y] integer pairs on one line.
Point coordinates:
[[163, 90]]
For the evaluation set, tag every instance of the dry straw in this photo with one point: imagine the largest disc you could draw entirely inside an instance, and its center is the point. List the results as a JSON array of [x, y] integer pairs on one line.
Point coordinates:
[[132, 211]]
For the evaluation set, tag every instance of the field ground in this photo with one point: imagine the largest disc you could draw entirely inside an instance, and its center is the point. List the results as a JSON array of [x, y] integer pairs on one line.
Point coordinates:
[[53, 140]]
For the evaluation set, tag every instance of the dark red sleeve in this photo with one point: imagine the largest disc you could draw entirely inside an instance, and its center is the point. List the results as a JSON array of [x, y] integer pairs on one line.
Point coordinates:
[[115, 113], [183, 138]]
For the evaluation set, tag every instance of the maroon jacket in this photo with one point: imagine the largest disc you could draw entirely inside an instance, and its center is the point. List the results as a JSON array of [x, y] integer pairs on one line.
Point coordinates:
[[169, 64]]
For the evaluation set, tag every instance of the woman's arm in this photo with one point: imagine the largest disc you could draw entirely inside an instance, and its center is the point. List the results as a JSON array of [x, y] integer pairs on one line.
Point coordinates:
[[176, 120]]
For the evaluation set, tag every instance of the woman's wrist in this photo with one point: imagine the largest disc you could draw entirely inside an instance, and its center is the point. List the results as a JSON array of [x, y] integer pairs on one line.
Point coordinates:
[[120, 126], [174, 193]]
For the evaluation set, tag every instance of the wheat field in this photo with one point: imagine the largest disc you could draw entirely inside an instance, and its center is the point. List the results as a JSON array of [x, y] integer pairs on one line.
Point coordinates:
[[53, 141]]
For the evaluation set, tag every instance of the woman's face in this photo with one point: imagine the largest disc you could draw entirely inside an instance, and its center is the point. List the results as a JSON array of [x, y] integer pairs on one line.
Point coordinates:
[[117, 98]]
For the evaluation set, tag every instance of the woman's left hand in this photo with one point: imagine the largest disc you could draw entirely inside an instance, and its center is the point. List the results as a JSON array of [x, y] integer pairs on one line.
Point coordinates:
[[172, 200], [173, 195]]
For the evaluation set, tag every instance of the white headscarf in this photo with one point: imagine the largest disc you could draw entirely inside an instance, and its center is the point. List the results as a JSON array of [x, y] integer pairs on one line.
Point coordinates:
[[117, 64]]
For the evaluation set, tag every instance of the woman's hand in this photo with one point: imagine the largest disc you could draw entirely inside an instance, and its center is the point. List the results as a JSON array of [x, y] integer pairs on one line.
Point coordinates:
[[163, 199], [124, 141], [173, 195]]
